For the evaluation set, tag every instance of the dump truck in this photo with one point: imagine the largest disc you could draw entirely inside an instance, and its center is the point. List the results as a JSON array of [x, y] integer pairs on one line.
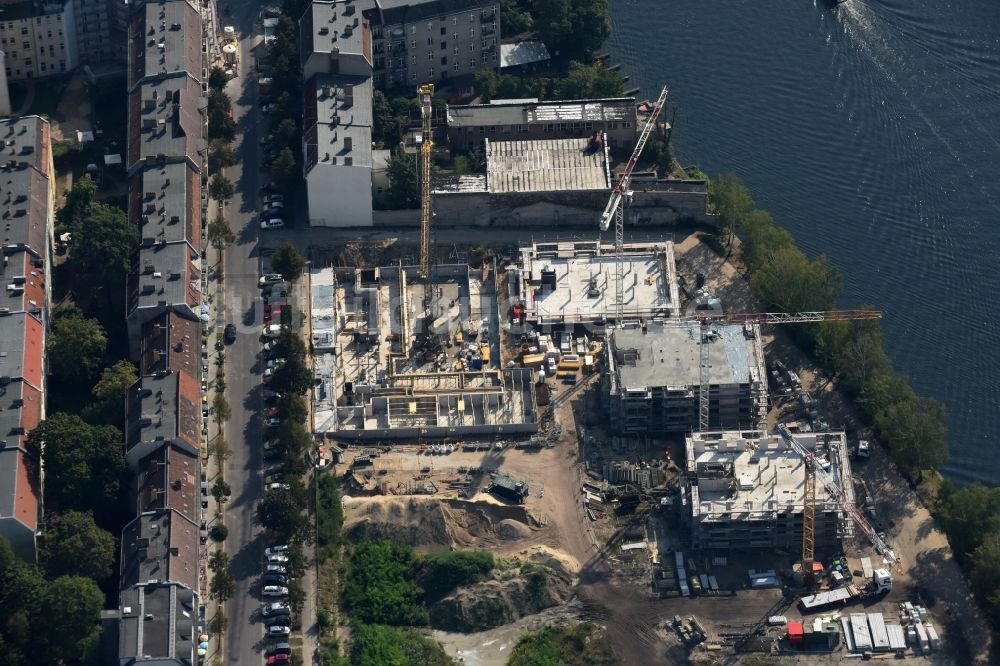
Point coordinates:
[[881, 582]]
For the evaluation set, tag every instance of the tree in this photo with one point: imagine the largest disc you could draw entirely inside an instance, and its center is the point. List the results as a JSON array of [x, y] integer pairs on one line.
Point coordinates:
[[221, 490], [513, 20], [589, 82], [219, 448], [862, 359], [71, 608], [220, 188], [385, 129], [789, 282], [732, 203], [78, 201], [84, 464], [286, 133], [223, 585], [220, 155], [289, 345], [110, 392], [398, 646], [73, 545], [279, 513], [882, 391], [219, 623], [292, 377], [761, 236], [217, 78], [220, 409], [218, 532], [916, 433], [220, 234], [402, 172], [288, 262], [968, 516], [485, 83], [440, 573], [100, 253], [76, 346], [572, 29], [284, 169], [293, 408], [379, 588]]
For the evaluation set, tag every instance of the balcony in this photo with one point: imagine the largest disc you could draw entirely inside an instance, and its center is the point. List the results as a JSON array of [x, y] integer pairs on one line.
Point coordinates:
[[488, 30], [397, 47], [488, 17]]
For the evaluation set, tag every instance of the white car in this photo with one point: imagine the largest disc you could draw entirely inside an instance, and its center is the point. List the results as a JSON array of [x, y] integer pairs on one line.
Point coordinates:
[[276, 550], [276, 568], [274, 205], [275, 591], [269, 278], [272, 331], [272, 422], [274, 198], [278, 486], [273, 223], [275, 362], [277, 559], [278, 631]]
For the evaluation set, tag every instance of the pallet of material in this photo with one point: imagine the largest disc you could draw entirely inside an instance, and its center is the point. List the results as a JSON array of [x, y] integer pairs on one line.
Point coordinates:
[[897, 637]]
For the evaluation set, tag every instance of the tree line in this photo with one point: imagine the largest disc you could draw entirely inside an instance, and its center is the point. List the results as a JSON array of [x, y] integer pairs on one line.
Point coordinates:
[[912, 427]]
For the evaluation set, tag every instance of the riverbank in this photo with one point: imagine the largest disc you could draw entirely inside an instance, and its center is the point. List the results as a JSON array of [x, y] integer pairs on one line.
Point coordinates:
[[930, 572]]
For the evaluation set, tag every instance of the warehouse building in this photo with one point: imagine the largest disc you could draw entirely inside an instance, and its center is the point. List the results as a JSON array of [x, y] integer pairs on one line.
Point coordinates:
[[654, 377], [748, 488]]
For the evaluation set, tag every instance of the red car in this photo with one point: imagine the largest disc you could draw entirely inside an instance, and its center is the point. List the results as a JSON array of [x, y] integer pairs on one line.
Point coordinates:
[[278, 659]]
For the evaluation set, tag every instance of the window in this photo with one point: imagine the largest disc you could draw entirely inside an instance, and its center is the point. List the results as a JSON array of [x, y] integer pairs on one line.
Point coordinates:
[[413, 60], [444, 30], [43, 66], [472, 46], [486, 43], [472, 18], [27, 61], [454, 51], [472, 63], [430, 56], [494, 56], [24, 31], [431, 73], [413, 77], [444, 60], [26, 45], [429, 25], [454, 36], [413, 43], [454, 20], [430, 41], [413, 29], [444, 46], [455, 66], [472, 33]]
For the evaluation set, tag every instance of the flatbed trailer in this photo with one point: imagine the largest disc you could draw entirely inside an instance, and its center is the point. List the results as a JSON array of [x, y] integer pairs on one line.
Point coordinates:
[[829, 599]]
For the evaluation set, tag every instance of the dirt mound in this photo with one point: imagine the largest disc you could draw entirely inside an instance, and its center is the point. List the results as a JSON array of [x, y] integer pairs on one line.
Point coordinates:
[[497, 602], [432, 524], [509, 529]]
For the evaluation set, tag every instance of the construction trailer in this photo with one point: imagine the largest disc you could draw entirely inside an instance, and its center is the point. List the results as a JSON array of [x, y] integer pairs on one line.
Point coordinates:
[[509, 488]]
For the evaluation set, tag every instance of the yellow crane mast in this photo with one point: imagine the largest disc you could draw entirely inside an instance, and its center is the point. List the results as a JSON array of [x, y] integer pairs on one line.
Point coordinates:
[[425, 93]]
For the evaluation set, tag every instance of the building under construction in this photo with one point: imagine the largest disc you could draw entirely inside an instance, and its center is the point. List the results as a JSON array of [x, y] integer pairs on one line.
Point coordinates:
[[573, 282], [390, 365], [747, 489], [654, 377]]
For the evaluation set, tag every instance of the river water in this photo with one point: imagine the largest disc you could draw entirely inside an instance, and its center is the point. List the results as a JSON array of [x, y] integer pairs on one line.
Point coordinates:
[[871, 131]]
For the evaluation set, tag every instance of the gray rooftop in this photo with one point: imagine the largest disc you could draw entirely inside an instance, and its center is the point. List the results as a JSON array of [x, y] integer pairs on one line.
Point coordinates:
[[166, 119], [160, 546], [162, 274], [343, 117], [523, 53], [408, 11], [171, 39], [520, 112], [669, 355], [164, 203], [336, 25], [24, 194], [545, 165], [166, 638]]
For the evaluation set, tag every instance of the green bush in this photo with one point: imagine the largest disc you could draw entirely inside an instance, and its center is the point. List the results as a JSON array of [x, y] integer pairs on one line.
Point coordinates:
[[563, 646], [440, 573], [218, 532], [329, 516], [375, 645], [379, 587]]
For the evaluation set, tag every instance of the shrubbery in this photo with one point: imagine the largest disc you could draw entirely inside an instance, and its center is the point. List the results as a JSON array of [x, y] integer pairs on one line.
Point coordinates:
[[566, 646], [395, 646], [440, 573], [380, 586]]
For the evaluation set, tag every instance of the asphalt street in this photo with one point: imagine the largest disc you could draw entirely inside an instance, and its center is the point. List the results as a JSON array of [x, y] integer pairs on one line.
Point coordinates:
[[244, 638]]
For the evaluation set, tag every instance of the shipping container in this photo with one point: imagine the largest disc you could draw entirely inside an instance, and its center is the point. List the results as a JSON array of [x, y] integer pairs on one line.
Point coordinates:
[[880, 637], [932, 637], [897, 638], [862, 637], [923, 643], [533, 360]]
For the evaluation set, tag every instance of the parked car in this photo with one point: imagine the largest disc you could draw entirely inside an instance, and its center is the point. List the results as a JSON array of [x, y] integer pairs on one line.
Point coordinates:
[[274, 579], [272, 445], [273, 206], [275, 363], [274, 590], [279, 648], [271, 198], [279, 620], [277, 631], [230, 333], [277, 559], [274, 608], [279, 660], [267, 108], [272, 331], [277, 486], [269, 279], [272, 223], [276, 568], [278, 549]]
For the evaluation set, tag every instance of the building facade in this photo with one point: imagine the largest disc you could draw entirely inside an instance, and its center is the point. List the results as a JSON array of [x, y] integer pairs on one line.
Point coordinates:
[[433, 41], [38, 39], [528, 119], [27, 191]]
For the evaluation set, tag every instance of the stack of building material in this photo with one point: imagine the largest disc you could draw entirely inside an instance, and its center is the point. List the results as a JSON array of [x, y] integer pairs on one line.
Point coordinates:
[[862, 636], [879, 634]]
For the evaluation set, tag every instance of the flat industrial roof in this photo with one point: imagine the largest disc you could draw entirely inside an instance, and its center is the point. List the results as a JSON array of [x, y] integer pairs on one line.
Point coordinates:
[[545, 165], [523, 53], [524, 112], [670, 355]]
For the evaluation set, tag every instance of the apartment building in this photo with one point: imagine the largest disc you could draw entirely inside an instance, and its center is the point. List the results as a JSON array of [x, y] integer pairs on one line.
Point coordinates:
[[27, 193], [158, 615], [746, 490], [417, 42], [654, 377], [93, 23], [529, 119], [38, 38]]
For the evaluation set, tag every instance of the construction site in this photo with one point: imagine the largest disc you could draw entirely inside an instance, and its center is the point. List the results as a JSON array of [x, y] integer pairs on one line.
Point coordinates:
[[572, 405]]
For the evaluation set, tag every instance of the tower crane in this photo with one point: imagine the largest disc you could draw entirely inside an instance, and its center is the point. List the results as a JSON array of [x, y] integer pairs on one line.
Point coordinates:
[[826, 479], [619, 197], [707, 318], [424, 94]]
